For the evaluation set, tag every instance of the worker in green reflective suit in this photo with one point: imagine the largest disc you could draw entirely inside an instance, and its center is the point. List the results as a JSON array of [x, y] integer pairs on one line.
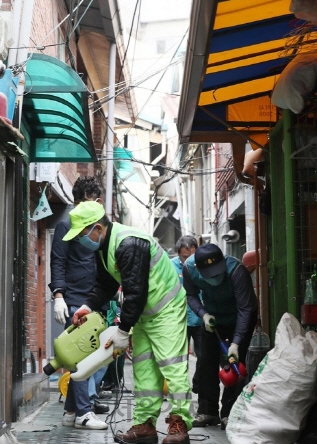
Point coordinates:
[[155, 305]]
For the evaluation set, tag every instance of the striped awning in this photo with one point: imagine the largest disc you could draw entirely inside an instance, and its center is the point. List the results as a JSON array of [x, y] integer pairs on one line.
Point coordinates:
[[227, 85]]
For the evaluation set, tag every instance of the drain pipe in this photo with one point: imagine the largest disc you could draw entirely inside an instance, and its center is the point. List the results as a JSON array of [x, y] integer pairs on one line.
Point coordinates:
[[204, 215], [17, 14], [290, 214], [22, 20], [185, 206], [110, 133], [163, 153], [190, 204], [179, 205], [249, 218]]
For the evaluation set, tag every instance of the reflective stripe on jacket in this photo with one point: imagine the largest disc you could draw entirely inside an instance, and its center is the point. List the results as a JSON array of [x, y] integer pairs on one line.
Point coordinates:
[[164, 285]]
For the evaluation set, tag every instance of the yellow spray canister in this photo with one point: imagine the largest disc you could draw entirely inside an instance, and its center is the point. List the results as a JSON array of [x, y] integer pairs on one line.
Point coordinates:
[[84, 343]]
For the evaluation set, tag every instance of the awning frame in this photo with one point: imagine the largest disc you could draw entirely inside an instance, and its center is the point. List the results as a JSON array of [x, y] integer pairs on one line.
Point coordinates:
[[76, 113]]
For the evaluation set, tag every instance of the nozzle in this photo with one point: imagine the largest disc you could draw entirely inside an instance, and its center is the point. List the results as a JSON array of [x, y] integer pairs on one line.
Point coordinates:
[[49, 369], [234, 365]]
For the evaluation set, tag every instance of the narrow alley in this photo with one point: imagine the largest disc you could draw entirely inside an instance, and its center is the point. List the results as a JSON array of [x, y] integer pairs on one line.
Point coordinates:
[[44, 426]]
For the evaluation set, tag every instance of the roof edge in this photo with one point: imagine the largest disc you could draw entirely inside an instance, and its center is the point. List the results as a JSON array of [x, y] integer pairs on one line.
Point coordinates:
[[201, 27]]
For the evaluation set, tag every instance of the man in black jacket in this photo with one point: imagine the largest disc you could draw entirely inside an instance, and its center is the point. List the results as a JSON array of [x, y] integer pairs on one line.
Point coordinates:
[[73, 271], [229, 304]]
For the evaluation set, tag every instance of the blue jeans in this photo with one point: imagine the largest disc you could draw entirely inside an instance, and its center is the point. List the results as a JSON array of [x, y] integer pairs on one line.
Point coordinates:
[[94, 383], [77, 399], [196, 334]]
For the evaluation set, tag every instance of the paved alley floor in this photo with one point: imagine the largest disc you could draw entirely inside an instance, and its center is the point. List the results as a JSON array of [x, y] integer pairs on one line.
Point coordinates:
[[44, 426]]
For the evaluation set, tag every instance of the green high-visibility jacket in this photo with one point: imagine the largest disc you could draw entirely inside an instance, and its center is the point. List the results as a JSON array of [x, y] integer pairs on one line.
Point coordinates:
[[163, 282]]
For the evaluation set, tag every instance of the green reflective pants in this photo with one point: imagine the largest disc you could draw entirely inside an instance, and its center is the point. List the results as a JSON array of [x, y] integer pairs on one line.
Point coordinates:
[[160, 350]]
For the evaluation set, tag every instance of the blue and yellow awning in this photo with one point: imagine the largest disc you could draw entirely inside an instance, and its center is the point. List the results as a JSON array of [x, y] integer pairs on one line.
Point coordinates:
[[247, 45]]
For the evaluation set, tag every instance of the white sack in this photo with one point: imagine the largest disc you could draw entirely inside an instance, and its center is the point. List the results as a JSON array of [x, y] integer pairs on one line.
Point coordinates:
[[273, 406]]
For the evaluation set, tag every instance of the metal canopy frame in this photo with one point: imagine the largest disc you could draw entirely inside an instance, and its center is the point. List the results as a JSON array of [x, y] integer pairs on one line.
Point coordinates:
[[55, 111]]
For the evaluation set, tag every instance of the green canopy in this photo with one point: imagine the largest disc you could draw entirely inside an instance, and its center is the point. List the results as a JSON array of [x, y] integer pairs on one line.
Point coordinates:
[[126, 169], [55, 112]]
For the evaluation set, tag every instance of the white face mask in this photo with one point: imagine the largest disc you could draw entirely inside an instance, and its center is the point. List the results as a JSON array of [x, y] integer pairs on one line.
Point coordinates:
[[215, 281]]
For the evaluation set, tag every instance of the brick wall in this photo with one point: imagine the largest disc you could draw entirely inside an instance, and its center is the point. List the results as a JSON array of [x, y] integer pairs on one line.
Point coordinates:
[[35, 314], [6, 5], [47, 14]]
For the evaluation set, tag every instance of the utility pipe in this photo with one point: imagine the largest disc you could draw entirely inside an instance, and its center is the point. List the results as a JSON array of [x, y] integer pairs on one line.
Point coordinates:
[[290, 214], [110, 129], [179, 205], [214, 205], [249, 218], [190, 203], [163, 153], [25, 30], [216, 219], [227, 201], [256, 241], [152, 216], [25, 21], [17, 13], [277, 262], [204, 215], [162, 202], [185, 207]]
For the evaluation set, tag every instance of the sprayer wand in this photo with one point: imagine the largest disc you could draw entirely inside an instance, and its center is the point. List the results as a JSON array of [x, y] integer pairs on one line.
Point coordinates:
[[231, 360]]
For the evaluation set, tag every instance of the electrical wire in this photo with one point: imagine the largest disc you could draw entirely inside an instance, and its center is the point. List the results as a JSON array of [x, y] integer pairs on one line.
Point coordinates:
[[19, 67], [71, 30], [168, 179], [140, 79], [136, 197], [135, 41], [181, 171], [61, 22], [159, 81], [126, 84], [162, 55], [159, 92], [126, 50], [80, 19], [127, 87], [38, 48], [177, 226], [71, 57], [144, 73], [193, 172]]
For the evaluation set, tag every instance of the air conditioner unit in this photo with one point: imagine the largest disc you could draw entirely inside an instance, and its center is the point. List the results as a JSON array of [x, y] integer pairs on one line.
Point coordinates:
[[43, 171]]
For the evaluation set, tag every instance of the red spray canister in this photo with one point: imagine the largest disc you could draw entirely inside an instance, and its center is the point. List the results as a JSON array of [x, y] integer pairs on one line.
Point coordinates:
[[232, 372]]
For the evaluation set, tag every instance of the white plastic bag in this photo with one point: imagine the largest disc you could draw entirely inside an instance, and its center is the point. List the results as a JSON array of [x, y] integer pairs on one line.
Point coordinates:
[[273, 406], [305, 10], [295, 83]]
